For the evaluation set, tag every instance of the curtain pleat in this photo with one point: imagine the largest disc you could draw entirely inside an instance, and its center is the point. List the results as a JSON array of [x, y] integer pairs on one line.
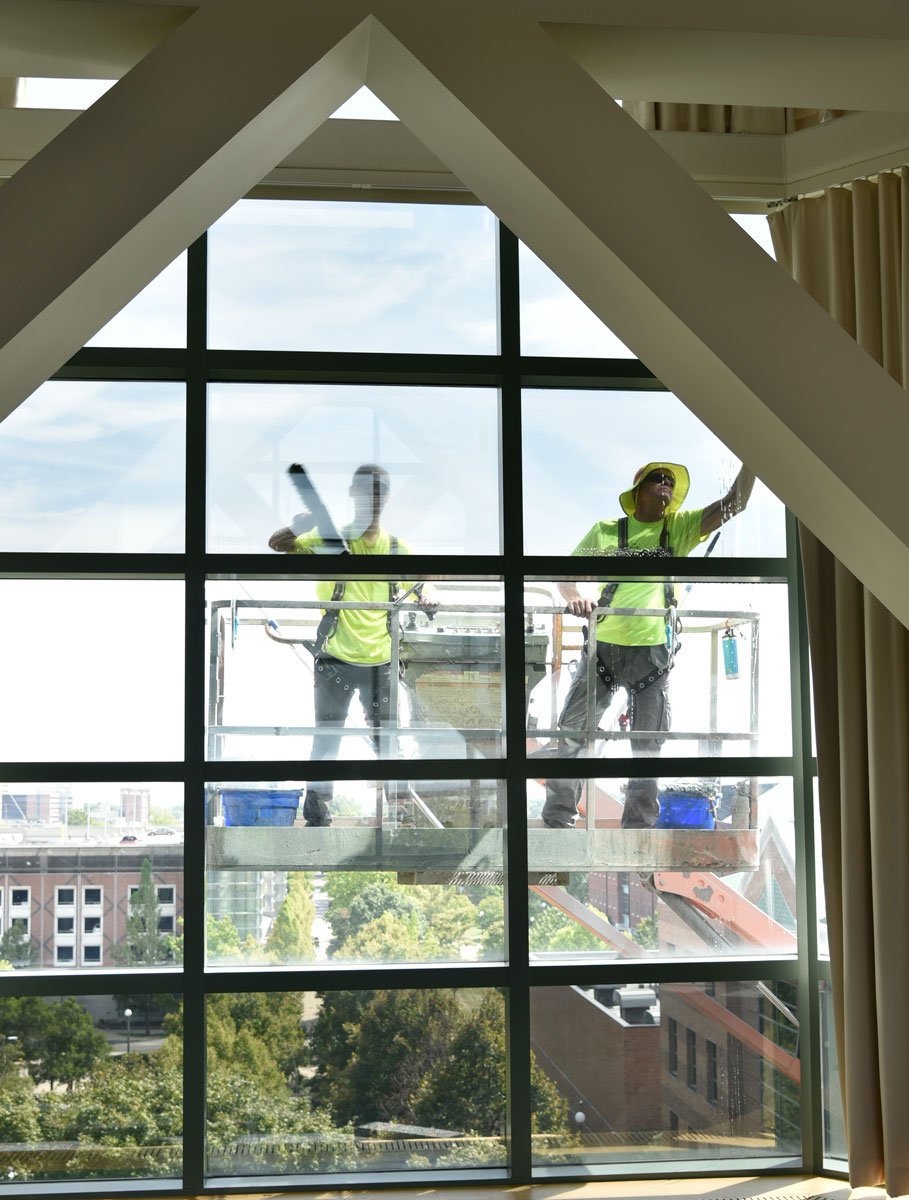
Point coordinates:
[[726, 118], [849, 248]]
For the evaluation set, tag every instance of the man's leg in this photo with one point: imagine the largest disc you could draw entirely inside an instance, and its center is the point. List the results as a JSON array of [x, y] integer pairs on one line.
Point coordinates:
[[648, 711], [375, 696], [332, 694], [561, 805]]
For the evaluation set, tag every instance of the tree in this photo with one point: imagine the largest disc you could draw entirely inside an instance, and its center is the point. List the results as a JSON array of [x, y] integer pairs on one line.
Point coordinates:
[[17, 949], [647, 933], [290, 937], [371, 898], [389, 938], [402, 1037], [145, 945], [222, 939], [58, 1040], [467, 1091], [273, 1020]]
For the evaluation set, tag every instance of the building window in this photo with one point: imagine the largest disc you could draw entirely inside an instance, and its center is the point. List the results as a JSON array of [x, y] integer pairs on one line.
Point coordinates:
[[672, 1034], [66, 924], [92, 925], [712, 1078], [91, 954], [66, 896], [165, 924], [691, 1068], [165, 895], [19, 897], [91, 897], [65, 954]]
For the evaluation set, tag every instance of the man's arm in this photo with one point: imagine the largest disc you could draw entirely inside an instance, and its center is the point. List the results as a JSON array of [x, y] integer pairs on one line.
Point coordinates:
[[717, 513]]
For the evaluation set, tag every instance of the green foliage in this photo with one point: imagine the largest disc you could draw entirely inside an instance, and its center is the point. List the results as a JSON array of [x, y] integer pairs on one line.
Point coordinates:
[[290, 937], [374, 919], [17, 949], [57, 1038], [19, 1110], [403, 1036], [332, 1039], [222, 939], [374, 896], [647, 933], [127, 1101], [467, 1092], [574, 938], [77, 816], [144, 946], [490, 919], [242, 1026], [388, 938]]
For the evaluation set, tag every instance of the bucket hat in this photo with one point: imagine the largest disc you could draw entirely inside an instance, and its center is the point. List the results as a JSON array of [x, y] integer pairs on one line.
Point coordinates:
[[679, 492]]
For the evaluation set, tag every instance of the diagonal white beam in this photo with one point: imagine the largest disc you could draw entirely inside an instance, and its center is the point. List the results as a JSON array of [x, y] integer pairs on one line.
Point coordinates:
[[138, 176], [727, 330], [231, 92]]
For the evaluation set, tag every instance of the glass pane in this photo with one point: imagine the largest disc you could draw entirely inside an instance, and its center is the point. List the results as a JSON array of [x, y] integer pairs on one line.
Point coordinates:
[[156, 317], [713, 680], [93, 1089], [352, 276], [91, 875], [832, 1097], [285, 684], [554, 321], [94, 670], [369, 1081], [437, 449], [94, 467], [665, 1072], [663, 868], [583, 449], [409, 872]]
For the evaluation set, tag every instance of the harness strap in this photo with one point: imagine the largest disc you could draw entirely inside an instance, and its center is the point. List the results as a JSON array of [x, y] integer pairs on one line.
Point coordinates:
[[608, 593], [329, 622]]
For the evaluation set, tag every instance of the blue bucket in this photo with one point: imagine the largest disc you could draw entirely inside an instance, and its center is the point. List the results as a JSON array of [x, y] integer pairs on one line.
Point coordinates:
[[686, 810], [259, 808]]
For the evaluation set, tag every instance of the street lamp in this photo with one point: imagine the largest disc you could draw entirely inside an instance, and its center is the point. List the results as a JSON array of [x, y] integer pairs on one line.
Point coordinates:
[[127, 1012]]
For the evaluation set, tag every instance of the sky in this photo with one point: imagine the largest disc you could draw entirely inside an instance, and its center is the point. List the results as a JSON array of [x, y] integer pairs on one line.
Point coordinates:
[[94, 466]]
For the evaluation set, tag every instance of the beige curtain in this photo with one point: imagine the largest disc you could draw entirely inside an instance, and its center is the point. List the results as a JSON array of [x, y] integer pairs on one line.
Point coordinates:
[[850, 249], [726, 118]]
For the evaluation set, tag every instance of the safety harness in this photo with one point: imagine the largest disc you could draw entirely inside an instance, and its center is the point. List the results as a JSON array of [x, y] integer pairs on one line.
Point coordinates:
[[608, 595], [329, 623]]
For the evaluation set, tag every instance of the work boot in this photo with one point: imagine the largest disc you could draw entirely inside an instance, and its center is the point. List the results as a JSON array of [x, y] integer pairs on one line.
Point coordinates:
[[642, 805]]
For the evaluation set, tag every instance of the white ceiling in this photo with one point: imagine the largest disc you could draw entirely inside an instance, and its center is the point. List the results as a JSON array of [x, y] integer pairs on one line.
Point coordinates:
[[816, 54]]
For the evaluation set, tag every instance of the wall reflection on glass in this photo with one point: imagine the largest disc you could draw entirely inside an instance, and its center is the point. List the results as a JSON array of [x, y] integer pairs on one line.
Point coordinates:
[[367, 1081], [670, 1071]]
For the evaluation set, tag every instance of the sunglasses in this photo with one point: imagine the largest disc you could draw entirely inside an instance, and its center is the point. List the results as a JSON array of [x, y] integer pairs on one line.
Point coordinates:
[[659, 477]]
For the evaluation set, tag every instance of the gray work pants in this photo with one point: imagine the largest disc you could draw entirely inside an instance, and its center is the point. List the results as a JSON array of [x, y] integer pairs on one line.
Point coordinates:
[[643, 671]]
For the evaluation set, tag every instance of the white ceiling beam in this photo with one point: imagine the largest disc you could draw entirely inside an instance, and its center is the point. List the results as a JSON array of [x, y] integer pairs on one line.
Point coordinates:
[[80, 39], [837, 18], [124, 188], [777, 70], [743, 346], [188, 131]]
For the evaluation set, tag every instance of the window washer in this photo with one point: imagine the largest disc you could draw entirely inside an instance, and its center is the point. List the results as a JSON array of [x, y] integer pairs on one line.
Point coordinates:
[[635, 652], [352, 649]]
